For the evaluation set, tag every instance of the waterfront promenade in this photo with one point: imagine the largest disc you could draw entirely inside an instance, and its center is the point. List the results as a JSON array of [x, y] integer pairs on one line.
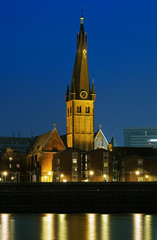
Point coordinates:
[[90, 197]]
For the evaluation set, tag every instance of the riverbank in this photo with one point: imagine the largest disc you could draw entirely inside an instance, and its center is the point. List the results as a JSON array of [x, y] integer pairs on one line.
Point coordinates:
[[88, 197]]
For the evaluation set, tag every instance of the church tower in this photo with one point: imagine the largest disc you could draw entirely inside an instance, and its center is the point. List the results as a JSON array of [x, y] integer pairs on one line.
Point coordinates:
[[80, 100]]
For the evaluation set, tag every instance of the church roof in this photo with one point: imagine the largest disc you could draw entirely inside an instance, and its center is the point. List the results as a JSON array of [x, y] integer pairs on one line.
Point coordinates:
[[48, 142], [38, 142]]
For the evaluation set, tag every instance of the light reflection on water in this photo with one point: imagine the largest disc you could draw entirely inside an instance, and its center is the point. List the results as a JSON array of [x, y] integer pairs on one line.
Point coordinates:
[[138, 226], [78, 226]]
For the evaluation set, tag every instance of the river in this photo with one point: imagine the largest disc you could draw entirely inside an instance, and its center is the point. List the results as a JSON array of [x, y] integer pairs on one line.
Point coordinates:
[[78, 226]]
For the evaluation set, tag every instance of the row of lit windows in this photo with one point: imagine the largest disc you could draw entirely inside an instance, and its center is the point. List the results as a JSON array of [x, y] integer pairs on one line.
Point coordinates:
[[17, 165]]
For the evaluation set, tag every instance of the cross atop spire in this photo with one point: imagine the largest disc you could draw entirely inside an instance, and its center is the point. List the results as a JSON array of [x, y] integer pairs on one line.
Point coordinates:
[[81, 16], [54, 125]]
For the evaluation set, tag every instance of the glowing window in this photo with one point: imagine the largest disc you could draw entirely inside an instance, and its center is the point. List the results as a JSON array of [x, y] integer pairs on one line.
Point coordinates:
[[140, 161], [74, 160], [105, 164]]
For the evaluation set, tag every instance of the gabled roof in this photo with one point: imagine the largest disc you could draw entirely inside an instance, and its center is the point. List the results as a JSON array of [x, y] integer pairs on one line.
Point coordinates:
[[38, 143], [99, 132], [47, 142]]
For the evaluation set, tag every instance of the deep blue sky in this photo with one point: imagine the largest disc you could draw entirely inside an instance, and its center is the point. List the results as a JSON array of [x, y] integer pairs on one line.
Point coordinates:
[[37, 53]]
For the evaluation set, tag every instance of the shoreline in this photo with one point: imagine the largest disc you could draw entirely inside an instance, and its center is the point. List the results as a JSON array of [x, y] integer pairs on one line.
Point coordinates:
[[93, 197]]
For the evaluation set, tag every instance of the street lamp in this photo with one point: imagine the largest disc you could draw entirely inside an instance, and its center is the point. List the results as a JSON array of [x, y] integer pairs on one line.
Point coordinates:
[[45, 178], [137, 173], [105, 177], [147, 177], [61, 177], [49, 174], [5, 175], [91, 174]]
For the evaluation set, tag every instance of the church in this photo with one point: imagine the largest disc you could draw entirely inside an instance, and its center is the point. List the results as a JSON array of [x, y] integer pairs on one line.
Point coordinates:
[[81, 154]]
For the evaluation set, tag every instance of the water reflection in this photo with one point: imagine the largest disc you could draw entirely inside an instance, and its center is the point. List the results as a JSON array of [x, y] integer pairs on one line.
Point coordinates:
[[142, 227], [6, 227], [62, 234], [148, 227], [47, 226], [105, 231], [138, 226], [91, 226], [77, 226]]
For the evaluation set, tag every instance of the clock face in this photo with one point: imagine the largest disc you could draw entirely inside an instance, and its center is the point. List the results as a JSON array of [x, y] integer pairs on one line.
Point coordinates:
[[84, 51], [83, 94]]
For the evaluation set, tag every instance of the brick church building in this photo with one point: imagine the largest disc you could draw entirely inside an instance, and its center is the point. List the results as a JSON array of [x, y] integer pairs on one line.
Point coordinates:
[[80, 155]]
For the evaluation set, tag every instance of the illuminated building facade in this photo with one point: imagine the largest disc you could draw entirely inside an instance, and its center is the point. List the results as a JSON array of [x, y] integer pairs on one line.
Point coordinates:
[[77, 166], [134, 164], [80, 100], [79, 162], [85, 156], [140, 137], [41, 153]]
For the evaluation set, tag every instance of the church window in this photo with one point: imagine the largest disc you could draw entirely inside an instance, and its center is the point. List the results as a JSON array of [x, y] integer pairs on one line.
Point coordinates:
[[70, 110], [79, 109], [87, 109]]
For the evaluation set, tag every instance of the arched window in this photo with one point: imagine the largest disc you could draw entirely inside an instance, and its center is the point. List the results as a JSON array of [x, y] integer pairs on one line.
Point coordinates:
[[79, 109], [87, 109]]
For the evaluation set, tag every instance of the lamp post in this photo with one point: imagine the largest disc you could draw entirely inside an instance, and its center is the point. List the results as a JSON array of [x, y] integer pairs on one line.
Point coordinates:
[[61, 177], [105, 177], [91, 174], [137, 174], [49, 174], [5, 175]]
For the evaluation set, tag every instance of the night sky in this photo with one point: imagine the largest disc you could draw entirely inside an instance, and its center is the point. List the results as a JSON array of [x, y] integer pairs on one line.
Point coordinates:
[[38, 42]]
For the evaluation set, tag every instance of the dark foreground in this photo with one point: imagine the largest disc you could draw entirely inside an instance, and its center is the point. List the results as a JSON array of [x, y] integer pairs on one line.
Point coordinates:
[[79, 197]]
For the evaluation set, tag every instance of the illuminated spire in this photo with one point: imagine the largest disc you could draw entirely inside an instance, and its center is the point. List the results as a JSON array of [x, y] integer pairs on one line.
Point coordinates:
[[80, 77]]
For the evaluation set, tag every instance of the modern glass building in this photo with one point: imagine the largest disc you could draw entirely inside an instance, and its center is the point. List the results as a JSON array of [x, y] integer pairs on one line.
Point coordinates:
[[16, 143], [140, 137]]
